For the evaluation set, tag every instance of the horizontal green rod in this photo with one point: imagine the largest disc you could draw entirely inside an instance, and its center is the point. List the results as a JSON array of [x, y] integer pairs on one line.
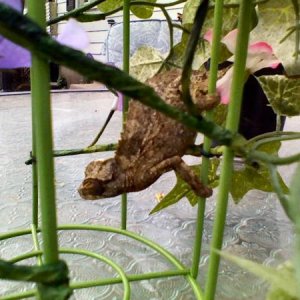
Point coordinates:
[[130, 277], [68, 152], [123, 277], [22, 295], [194, 150], [107, 281], [132, 235], [172, 259]]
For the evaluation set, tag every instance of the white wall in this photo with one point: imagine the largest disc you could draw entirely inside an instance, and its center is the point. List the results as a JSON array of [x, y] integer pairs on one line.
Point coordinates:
[[97, 31]]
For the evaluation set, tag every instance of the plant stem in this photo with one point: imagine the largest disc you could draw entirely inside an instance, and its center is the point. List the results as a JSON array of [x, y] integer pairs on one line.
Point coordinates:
[[232, 124], [277, 138], [215, 50], [297, 35], [75, 12], [271, 159], [95, 140], [189, 57], [283, 199], [126, 55], [43, 133], [295, 210]]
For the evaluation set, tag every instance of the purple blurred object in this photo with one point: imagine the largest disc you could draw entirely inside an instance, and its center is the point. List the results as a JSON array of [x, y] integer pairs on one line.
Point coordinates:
[[13, 56], [120, 101]]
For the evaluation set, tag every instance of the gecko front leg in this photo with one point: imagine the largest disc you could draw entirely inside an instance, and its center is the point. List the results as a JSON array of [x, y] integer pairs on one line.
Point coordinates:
[[184, 171]]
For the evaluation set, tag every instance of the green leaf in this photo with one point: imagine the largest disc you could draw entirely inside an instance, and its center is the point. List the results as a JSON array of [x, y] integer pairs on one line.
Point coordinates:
[[230, 14], [220, 114], [141, 11], [182, 189], [283, 278], [249, 178], [276, 17], [279, 294], [283, 94], [109, 5], [202, 53], [271, 147], [230, 17], [145, 63]]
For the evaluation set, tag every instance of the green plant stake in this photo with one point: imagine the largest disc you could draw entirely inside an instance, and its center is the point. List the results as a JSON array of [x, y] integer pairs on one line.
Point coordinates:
[[217, 32], [126, 54], [232, 125]]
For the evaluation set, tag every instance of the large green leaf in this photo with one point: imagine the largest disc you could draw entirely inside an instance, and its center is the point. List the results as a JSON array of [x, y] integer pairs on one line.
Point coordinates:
[[180, 190], [244, 179], [141, 11], [203, 50], [283, 94], [282, 280], [230, 14], [275, 19], [202, 53], [145, 63], [249, 178], [109, 5]]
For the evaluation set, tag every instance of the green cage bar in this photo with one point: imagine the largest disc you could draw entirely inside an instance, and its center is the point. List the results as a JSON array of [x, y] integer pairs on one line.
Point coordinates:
[[42, 122], [232, 124], [126, 54], [213, 74]]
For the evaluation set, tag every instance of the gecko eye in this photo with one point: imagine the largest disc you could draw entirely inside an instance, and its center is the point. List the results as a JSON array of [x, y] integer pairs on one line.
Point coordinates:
[[91, 189]]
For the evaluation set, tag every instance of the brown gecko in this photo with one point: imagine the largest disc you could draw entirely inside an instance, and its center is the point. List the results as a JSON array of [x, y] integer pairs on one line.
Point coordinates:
[[151, 143]]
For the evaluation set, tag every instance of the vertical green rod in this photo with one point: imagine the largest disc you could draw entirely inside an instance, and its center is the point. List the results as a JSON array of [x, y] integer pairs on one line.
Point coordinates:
[[294, 208], [35, 211], [217, 34], [227, 165], [35, 203], [43, 140], [126, 54]]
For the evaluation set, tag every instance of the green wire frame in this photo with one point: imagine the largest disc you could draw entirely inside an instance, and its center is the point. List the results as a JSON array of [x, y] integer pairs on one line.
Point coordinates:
[[44, 188]]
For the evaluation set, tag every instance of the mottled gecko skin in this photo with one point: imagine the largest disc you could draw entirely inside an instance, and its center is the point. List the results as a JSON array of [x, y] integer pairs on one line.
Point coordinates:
[[151, 143]]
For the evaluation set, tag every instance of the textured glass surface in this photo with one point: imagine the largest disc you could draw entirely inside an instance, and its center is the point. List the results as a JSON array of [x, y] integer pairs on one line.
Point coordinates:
[[256, 229]]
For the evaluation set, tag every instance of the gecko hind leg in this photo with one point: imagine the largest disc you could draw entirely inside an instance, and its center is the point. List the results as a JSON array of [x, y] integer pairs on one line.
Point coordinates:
[[185, 172]]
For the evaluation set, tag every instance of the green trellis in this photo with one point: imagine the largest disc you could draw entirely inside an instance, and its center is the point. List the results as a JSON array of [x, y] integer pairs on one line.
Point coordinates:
[[51, 274]]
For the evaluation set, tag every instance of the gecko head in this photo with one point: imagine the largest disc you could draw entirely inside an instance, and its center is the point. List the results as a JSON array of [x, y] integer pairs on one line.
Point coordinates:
[[99, 178]]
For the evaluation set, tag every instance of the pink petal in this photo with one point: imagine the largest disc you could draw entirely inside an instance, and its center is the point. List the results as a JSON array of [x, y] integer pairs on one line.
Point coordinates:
[[229, 40], [208, 35], [260, 60], [73, 35], [224, 86], [260, 55], [260, 47]]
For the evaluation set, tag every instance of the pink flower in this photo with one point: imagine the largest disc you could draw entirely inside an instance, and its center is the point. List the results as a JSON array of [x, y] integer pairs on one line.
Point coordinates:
[[13, 56], [260, 55]]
